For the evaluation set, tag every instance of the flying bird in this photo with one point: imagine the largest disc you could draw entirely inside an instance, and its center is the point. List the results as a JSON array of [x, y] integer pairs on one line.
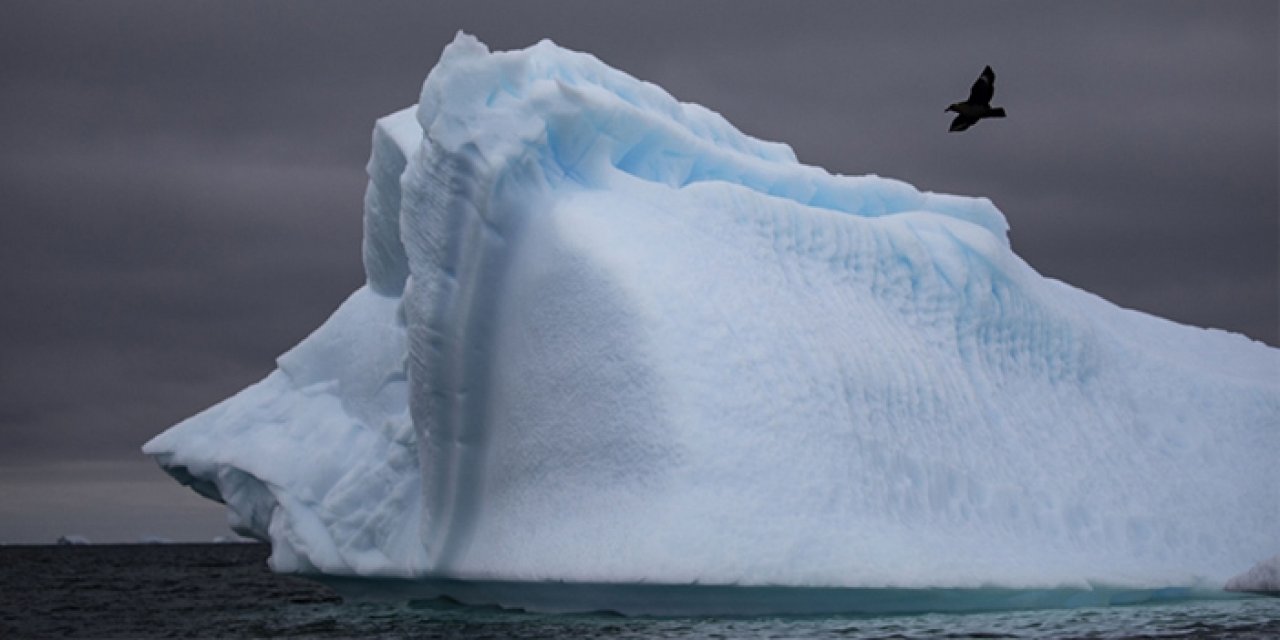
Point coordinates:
[[978, 106]]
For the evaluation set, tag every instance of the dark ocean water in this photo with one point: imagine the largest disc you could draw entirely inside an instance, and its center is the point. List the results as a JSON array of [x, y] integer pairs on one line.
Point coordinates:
[[226, 591]]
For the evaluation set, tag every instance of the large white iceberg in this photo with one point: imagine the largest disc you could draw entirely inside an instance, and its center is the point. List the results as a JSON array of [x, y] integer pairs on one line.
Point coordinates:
[[607, 338]]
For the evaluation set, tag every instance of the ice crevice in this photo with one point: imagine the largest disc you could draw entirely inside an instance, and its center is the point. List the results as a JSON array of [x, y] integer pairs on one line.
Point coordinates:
[[607, 338]]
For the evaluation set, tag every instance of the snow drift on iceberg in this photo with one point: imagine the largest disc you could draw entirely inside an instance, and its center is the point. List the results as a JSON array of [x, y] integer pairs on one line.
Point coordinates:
[[607, 338]]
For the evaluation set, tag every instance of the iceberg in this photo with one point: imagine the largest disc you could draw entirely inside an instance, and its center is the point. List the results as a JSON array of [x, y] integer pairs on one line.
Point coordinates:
[[1263, 577], [608, 339]]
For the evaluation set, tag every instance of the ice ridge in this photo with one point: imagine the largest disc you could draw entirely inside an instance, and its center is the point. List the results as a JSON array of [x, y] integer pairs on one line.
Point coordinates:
[[608, 338]]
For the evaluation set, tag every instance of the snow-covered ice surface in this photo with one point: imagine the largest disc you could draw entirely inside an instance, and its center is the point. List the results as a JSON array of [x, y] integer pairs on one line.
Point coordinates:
[[607, 338]]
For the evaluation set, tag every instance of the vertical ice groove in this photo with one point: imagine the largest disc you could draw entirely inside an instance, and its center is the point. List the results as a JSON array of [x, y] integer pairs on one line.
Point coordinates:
[[457, 269]]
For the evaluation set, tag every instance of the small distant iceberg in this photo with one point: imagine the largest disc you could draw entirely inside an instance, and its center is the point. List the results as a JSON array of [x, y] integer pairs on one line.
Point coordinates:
[[72, 539], [1263, 578], [610, 344]]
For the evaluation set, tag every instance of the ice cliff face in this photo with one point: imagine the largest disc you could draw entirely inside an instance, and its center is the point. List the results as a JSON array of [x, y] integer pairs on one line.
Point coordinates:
[[607, 337]]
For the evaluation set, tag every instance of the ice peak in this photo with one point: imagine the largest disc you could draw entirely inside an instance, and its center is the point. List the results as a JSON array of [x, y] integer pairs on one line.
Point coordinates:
[[588, 122]]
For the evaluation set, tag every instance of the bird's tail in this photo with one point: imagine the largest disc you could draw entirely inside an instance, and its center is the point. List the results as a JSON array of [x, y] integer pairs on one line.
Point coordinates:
[[997, 112]]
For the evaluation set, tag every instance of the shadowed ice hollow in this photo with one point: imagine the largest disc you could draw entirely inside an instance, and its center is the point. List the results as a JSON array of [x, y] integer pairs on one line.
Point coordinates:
[[608, 338]]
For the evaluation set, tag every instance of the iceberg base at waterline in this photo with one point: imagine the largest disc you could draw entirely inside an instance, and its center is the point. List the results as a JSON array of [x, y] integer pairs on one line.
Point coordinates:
[[641, 599], [607, 339]]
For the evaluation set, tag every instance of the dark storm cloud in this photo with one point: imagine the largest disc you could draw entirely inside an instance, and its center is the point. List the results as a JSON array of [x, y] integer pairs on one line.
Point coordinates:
[[182, 182]]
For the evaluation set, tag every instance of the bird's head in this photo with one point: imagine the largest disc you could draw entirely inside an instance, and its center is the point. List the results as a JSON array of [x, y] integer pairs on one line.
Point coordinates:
[[954, 107]]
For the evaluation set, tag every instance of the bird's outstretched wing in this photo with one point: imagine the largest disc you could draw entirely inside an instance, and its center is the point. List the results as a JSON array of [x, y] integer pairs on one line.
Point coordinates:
[[963, 122], [983, 88]]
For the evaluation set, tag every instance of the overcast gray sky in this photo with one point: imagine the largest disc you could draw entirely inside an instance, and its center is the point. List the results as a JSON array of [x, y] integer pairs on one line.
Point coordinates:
[[181, 183]]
